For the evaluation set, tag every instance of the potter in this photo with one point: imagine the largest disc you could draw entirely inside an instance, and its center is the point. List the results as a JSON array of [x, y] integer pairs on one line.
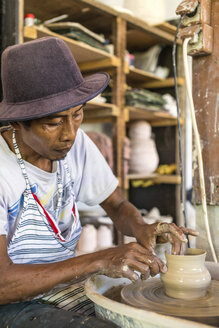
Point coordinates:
[[55, 165], [187, 277]]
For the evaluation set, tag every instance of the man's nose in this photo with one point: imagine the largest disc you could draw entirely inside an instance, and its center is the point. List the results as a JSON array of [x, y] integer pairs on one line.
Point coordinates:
[[68, 131]]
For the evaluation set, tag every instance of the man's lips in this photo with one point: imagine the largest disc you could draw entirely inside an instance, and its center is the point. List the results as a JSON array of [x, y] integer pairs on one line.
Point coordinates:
[[64, 148]]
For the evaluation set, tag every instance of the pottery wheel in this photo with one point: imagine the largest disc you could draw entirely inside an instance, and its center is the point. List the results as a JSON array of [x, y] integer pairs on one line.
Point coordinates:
[[150, 295]]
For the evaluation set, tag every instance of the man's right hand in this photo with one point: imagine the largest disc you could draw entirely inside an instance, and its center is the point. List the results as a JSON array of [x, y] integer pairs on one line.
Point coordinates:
[[124, 260]]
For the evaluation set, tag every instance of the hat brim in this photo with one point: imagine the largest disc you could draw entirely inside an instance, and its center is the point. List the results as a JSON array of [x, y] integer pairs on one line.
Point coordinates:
[[89, 88]]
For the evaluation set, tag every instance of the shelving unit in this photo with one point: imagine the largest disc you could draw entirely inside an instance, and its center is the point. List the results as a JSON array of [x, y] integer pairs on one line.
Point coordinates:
[[83, 53], [156, 178], [124, 32]]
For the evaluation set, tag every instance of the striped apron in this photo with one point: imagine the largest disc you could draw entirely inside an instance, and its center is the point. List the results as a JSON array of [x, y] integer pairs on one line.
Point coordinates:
[[38, 239]]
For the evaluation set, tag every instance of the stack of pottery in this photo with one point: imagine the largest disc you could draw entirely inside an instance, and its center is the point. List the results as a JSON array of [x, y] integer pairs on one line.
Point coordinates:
[[126, 154], [144, 157], [88, 239], [104, 237], [93, 239]]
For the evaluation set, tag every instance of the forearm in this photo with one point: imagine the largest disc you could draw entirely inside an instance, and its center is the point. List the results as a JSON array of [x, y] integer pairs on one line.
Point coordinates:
[[125, 216], [19, 282]]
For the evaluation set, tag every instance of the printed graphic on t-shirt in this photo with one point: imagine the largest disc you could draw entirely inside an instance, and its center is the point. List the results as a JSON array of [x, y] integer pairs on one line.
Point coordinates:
[[49, 202]]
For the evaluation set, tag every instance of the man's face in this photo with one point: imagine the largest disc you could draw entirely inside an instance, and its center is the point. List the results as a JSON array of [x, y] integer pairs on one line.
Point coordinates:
[[52, 137]]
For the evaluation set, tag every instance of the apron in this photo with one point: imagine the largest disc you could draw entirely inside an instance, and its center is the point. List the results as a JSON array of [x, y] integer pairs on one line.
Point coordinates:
[[38, 239]]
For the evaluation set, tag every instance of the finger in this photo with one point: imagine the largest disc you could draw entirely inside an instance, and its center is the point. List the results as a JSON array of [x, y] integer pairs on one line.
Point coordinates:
[[145, 276], [163, 227], [138, 266], [141, 266], [183, 249], [176, 245], [146, 250], [154, 263], [126, 272], [188, 231]]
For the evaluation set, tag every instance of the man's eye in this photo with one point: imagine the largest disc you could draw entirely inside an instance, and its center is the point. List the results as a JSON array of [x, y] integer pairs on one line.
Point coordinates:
[[55, 123], [77, 116]]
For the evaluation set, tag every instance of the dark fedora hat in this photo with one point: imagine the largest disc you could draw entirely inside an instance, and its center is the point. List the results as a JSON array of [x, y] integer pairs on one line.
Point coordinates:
[[41, 77]]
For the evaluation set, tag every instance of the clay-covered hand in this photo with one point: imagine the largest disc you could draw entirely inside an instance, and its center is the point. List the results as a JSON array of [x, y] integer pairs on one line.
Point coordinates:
[[124, 260], [151, 234]]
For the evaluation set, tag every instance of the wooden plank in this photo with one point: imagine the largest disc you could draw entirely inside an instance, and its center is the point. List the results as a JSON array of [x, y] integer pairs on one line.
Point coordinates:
[[95, 110], [118, 94], [77, 9], [99, 64], [165, 83], [165, 26], [157, 178], [166, 122], [81, 51], [92, 14], [100, 119], [20, 21], [149, 115], [153, 31], [30, 32], [136, 75], [206, 101]]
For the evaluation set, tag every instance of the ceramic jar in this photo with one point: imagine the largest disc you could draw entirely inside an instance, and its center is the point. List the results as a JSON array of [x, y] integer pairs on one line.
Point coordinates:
[[104, 237], [187, 276], [88, 239]]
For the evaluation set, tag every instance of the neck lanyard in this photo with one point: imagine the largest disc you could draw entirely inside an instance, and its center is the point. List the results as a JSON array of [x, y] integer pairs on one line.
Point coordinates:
[[24, 172]]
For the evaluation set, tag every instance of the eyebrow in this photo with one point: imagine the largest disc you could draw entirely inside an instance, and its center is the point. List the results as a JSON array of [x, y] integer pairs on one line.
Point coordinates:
[[63, 115]]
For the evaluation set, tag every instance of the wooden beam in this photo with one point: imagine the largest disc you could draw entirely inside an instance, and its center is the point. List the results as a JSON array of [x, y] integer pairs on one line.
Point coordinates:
[[156, 178], [30, 32], [81, 51], [20, 21], [206, 102], [156, 118], [165, 83], [118, 95], [99, 64]]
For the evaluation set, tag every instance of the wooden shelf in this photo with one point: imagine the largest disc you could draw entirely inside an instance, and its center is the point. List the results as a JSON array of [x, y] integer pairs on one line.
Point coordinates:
[[139, 78], [136, 75], [95, 16], [155, 118], [95, 112], [157, 178], [165, 26], [165, 83], [85, 55]]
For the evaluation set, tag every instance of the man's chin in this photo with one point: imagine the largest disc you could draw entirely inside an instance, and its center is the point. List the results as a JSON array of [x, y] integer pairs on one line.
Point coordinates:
[[57, 157]]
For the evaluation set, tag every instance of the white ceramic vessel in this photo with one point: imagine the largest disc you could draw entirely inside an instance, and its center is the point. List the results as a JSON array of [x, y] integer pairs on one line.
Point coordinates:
[[187, 276]]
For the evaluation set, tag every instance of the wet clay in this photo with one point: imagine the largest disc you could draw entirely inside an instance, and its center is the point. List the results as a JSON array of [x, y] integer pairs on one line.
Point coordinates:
[[187, 276], [150, 295], [114, 293]]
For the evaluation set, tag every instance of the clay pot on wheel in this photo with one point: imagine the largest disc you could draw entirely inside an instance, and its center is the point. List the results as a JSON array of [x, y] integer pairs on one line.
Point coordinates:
[[187, 277]]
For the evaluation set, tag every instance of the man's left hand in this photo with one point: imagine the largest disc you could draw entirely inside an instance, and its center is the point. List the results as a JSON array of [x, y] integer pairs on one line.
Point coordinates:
[[151, 234]]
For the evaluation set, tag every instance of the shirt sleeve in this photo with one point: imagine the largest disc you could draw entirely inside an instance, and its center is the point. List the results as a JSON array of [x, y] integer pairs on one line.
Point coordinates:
[[97, 179], [3, 216]]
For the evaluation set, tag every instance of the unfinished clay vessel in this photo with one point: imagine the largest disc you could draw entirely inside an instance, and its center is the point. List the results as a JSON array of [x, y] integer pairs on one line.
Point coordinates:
[[187, 277]]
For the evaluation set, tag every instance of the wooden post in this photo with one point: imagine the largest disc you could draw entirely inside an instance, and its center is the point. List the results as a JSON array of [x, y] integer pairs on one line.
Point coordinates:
[[118, 98], [206, 101]]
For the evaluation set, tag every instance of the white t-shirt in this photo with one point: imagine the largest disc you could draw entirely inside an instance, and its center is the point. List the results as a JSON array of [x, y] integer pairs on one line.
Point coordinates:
[[91, 179]]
